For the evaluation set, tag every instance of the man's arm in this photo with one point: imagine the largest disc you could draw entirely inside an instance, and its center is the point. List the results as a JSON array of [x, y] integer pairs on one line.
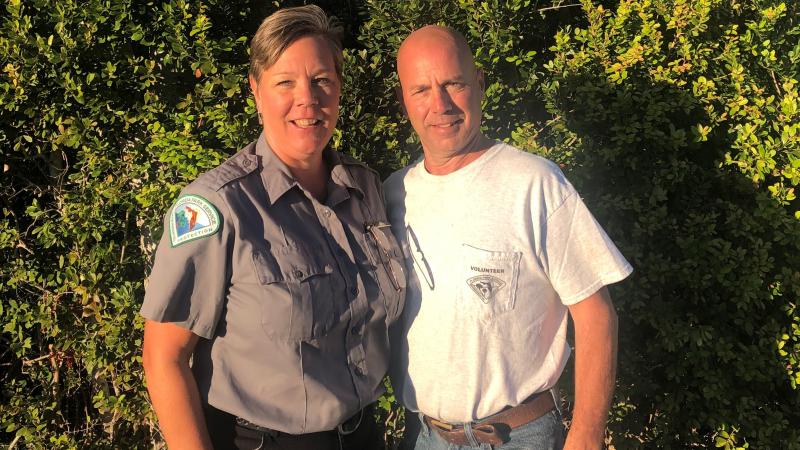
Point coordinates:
[[595, 369], [172, 388]]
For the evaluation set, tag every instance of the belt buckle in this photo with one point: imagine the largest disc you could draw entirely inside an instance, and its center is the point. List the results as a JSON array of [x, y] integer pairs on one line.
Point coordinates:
[[244, 423], [439, 424]]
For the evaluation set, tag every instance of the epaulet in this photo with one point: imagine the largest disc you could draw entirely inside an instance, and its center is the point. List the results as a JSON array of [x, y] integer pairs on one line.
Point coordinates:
[[238, 166], [350, 161]]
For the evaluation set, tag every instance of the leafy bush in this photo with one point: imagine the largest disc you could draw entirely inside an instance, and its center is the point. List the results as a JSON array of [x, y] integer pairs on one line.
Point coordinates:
[[685, 124], [108, 108], [678, 121]]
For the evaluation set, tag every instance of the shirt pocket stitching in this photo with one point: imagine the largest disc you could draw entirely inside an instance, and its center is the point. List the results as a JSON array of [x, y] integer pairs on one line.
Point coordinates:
[[473, 257], [310, 316]]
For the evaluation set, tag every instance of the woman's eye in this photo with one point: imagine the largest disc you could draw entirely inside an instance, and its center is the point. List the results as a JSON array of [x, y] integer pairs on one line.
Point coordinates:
[[284, 82]]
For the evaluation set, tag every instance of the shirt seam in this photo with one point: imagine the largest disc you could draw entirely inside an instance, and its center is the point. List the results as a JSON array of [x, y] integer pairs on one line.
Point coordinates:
[[305, 389], [606, 279], [549, 216], [229, 223]]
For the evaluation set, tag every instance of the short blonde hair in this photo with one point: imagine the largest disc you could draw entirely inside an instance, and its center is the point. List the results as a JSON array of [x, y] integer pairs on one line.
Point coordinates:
[[283, 27]]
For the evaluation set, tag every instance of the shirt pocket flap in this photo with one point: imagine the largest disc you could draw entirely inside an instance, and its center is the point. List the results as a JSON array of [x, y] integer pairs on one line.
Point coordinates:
[[297, 302], [289, 264], [298, 264]]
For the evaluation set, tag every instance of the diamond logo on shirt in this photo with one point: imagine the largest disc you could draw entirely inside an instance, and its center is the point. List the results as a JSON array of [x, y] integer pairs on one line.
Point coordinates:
[[193, 217], [486, 286]]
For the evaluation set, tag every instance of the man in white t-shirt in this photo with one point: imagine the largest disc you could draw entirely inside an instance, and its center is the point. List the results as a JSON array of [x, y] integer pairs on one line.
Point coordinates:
[[499, 249]]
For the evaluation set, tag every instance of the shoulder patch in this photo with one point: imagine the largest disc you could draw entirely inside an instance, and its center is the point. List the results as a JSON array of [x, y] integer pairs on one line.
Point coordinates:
[[192, 217]]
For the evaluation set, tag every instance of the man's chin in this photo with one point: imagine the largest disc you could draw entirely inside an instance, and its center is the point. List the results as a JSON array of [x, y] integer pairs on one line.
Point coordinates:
[[443, 147]]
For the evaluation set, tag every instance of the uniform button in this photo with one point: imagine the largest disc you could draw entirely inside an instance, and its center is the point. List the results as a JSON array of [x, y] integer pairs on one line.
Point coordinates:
[[354, 330], [354, 290], [358, 371], [246, 163], [298, 273], [327, 212]]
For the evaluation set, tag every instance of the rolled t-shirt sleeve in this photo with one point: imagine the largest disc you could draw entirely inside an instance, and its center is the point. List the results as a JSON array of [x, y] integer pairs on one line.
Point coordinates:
[[579, 255], [191, 273]]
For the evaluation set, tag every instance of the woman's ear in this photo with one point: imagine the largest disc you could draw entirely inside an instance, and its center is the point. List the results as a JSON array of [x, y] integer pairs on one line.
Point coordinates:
[[254, 90]]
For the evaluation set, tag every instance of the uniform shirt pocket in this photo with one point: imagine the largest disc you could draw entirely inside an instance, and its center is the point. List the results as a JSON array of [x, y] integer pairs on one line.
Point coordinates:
[[489, 280], [297, 303]]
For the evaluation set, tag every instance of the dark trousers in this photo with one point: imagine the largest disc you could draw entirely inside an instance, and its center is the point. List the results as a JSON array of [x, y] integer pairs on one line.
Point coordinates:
[[226, 434]]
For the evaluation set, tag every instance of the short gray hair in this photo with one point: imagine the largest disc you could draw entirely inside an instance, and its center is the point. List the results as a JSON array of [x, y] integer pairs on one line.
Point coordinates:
[[283, 27]]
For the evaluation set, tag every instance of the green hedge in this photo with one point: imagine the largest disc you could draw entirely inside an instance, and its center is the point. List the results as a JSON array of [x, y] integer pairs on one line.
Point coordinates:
[[685, 120], [677, 120]]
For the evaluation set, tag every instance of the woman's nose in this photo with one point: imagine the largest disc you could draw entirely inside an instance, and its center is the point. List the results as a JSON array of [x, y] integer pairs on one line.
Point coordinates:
[[306, 94]]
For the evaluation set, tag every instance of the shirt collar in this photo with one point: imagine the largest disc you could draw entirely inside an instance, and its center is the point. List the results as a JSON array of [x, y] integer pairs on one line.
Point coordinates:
[[278, 179], [340, 170], [276, 176]]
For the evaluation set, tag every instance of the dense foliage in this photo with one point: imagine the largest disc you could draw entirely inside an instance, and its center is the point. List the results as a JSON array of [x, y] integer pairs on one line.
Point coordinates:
[[678, 121], [685, 120]]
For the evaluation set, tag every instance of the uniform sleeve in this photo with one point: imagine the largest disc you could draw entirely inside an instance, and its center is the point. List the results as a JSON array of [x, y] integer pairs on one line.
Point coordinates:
[[578, 255], [189, 280]]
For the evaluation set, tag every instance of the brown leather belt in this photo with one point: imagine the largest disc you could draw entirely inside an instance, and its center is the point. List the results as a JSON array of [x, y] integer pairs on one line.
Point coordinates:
[[494, 430]]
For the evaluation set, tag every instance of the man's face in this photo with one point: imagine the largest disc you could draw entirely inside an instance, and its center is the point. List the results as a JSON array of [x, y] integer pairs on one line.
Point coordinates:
[[441, 94]]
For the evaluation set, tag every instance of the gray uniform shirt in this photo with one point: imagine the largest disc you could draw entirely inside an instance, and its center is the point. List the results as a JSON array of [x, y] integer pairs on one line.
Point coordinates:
[[293, 297]]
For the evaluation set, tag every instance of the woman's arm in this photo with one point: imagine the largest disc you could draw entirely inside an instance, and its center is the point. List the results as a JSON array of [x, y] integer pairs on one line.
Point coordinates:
[[173, 391]]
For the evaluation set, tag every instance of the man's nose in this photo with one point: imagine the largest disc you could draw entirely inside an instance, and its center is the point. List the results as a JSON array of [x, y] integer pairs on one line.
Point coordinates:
[[441, 101]]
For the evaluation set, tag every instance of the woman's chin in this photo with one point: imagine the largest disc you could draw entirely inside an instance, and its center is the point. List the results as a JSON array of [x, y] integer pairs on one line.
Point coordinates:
[[298, 155], [311, 144]]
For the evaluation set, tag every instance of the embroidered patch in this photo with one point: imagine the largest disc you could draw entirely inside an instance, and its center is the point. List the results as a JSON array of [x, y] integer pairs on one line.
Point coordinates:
[[193, 217], [486, 286]]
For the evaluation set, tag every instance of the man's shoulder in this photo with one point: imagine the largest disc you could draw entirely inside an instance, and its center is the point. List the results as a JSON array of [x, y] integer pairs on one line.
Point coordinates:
[[517, 168], [518, 160], [398, 178]]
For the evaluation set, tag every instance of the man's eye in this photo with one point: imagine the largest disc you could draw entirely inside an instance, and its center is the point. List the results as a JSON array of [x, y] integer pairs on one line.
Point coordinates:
[[322, 81]]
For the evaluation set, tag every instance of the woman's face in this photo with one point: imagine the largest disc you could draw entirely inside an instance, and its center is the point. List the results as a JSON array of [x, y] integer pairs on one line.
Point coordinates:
[[298, 98]]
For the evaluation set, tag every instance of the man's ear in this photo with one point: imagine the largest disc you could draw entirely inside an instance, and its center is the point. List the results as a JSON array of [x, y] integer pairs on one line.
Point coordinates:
[[481, 82], [398, 92]]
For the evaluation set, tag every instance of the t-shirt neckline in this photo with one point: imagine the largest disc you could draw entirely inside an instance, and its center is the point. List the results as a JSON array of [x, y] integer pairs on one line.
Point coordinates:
[[465, 171]]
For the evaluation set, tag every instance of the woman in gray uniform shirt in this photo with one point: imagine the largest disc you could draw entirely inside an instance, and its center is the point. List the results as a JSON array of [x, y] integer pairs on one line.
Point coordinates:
[[277, 273]]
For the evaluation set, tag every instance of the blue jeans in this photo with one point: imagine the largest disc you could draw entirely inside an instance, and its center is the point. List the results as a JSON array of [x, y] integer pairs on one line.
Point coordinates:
[[545, 433]]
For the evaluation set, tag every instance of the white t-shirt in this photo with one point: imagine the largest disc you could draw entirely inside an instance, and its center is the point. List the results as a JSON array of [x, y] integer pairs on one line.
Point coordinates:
[[494, 251]]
